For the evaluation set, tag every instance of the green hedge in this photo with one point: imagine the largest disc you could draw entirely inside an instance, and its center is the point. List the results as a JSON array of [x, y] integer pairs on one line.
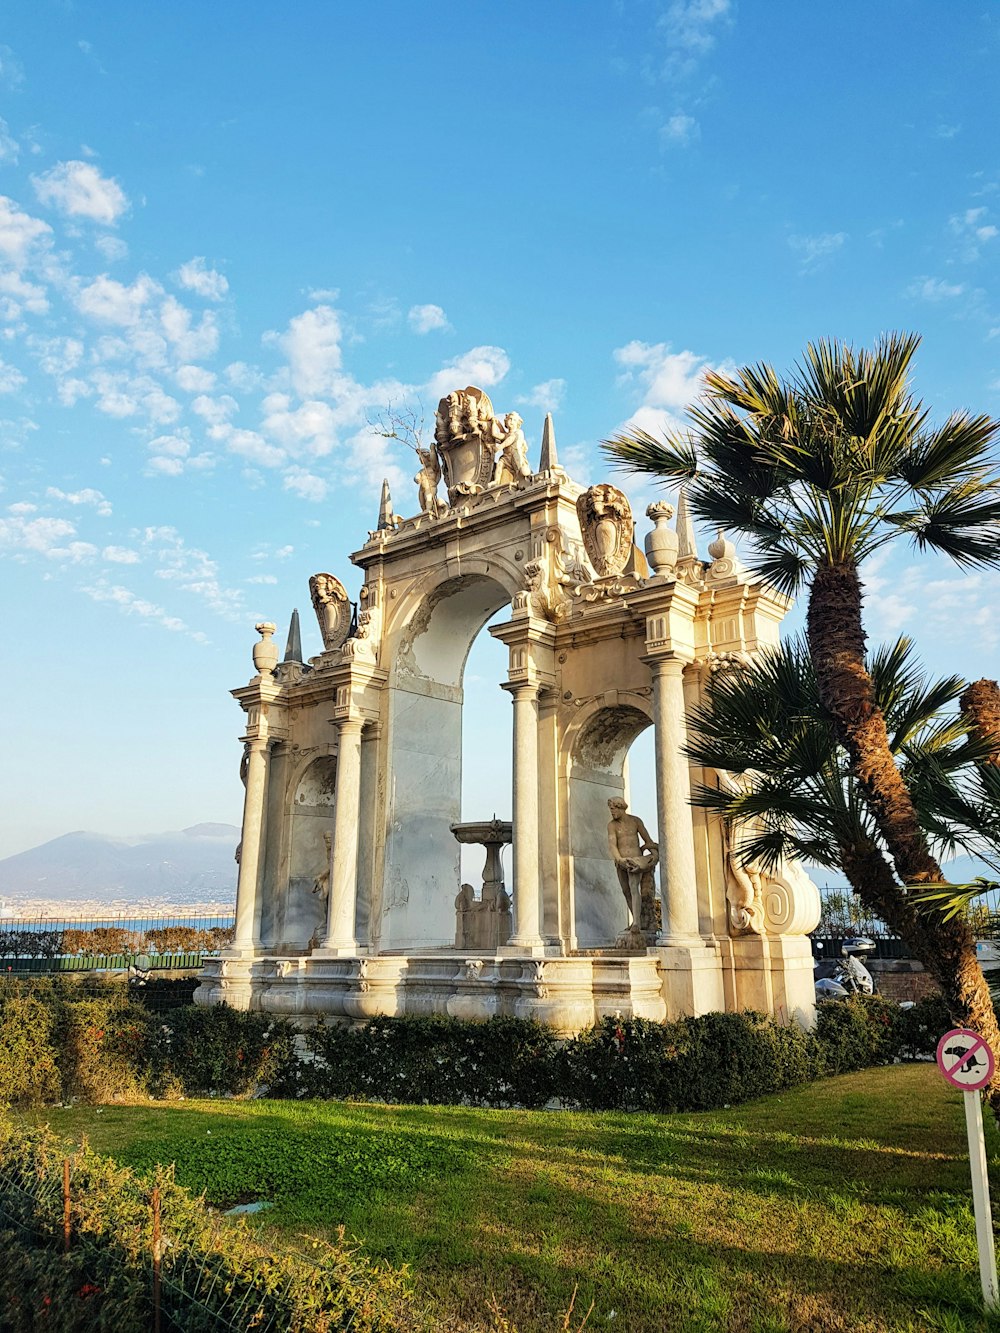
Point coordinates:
[[91, 1044], [215, 1274]]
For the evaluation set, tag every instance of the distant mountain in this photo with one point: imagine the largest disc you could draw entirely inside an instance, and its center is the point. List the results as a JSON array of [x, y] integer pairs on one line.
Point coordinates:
[[194, 865]]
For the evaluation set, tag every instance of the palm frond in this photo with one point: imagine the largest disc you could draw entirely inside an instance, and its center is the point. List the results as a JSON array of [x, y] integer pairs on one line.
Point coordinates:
[[674, 459], [962, 522], [957, 451], [951, 900]]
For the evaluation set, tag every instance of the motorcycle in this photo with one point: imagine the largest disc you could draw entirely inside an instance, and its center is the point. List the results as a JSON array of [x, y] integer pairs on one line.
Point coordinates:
[[839, 978]]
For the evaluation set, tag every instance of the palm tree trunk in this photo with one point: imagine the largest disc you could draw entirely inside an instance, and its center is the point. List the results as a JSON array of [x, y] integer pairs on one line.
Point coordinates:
[[981, 705], [947, 949], [837, 647]]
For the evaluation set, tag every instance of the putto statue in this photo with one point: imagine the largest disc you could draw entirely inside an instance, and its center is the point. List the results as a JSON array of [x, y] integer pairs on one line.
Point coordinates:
[[512, 461], [427, 482], [607, 526], [333, 609]]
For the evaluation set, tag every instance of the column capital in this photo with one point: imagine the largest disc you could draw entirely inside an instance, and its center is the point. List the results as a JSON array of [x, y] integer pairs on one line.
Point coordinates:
[[522, 689], [663, 664], [349, 726]]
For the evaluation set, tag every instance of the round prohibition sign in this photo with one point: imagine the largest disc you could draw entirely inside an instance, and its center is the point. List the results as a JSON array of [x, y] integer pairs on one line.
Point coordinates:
[[965, 1060]]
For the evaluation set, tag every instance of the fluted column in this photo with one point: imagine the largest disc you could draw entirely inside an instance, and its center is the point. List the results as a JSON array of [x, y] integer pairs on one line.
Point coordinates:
[[527, 886], [347, 815], [247, 886], [678, 875]]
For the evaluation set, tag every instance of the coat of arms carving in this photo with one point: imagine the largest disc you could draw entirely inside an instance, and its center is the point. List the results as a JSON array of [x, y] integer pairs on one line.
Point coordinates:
[[607, 526], [465, 434]]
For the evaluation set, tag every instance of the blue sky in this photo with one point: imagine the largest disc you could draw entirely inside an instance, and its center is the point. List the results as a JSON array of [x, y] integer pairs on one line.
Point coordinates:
[[229, 233]]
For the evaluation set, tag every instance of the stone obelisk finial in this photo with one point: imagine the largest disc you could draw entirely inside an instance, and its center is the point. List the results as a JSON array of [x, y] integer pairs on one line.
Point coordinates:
[[689, 567], [549, 459], [386, 518], [293, 648]]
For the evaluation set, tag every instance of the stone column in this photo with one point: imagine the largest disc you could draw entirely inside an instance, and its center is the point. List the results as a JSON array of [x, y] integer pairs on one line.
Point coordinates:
[[678, 878], [527, 888], [346, 818], [246, 936]]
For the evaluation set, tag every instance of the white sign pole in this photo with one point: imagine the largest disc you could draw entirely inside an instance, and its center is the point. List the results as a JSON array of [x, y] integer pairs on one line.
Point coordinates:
[[981, 1198]]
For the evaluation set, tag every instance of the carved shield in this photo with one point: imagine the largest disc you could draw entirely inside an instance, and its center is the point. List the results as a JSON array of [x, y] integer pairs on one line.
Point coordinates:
[[464, 432], [333, 609], [607, 526]]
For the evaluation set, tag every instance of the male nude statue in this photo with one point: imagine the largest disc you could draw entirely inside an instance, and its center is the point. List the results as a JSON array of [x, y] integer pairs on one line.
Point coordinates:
[[635, 862]]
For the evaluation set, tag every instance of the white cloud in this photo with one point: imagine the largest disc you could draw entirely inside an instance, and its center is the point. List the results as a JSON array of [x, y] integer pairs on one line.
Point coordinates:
[[691, 25], [263, 578], [480, 366], [22, 507], [312, 347], [934, 289], [18, 295], [41, 536], [112, 302], [195, 379], [249, 444], [311, 427], [973, 231], [79, 190], [815, 251], [113, 248], [679, 130], [134, 605], [120, 555], [215, 411], [427, 318], [305, 484], [11, 73], [10, 377], [548, 396], [197, 277], [9, 147], [669, 382], [19, 231], [88, 496], [191, 342]]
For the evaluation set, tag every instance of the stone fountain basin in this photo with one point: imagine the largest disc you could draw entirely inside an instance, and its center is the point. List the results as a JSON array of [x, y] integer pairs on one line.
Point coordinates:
[[483, 831]]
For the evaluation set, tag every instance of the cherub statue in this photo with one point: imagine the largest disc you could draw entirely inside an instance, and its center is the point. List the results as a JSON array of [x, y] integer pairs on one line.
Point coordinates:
[[512, 451], [427, 481]]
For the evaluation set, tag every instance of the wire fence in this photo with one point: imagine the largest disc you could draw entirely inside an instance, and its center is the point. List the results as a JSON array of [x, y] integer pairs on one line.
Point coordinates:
[[141, 1251], [112, 943]]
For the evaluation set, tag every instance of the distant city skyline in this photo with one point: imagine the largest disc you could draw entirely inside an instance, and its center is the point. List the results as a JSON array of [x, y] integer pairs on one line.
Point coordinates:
[[229, 236]]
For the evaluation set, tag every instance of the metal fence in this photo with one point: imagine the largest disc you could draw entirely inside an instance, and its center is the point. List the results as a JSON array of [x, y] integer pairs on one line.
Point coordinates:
[[31, 944], [843, 914]]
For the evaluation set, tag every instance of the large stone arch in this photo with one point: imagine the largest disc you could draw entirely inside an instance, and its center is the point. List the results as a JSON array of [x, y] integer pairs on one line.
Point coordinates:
[[428, 645], [596, 748]]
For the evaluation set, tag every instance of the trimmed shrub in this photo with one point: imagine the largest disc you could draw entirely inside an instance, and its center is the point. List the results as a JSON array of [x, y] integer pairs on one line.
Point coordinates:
[[922, 1027], [855, 1034], [448, 1061], [104, 1050], [222, 1050], [692, 1065]]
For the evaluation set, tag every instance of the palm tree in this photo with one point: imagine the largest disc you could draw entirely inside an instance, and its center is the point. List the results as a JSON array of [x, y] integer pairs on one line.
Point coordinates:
[[795, 794], [818, 472]]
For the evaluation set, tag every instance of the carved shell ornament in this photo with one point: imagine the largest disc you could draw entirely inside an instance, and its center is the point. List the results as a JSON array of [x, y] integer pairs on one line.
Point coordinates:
[[607, 526], [333, 609]]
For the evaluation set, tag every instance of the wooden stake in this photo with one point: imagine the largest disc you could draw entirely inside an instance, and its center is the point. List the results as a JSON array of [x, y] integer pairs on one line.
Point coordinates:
[[156, 1259], [66, 1206]]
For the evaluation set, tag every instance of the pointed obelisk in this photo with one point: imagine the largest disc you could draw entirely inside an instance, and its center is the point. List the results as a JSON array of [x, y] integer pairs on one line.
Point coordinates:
[[549, 460], [687, 544], [293, 648], [386, 518]]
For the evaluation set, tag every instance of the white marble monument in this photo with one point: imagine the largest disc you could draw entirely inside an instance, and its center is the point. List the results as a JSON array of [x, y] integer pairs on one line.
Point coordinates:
[[350, 888]]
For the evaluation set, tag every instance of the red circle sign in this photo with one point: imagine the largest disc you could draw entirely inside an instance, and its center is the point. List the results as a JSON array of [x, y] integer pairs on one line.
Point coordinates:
[[965, 1059]]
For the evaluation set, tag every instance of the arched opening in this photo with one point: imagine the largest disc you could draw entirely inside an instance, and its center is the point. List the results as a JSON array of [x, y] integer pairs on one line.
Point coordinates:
[[487, 744], [612, 755], [423, 868]]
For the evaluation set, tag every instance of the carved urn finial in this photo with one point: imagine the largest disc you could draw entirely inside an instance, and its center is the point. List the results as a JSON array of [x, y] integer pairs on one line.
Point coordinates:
[[265, 653], [661, 544]]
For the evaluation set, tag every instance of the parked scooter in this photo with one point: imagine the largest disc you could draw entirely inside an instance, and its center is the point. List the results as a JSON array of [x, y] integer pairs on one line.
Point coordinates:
[[838, 978]]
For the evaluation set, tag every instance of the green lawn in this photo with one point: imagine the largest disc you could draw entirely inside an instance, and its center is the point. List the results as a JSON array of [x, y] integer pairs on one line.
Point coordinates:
[[844, 1205]]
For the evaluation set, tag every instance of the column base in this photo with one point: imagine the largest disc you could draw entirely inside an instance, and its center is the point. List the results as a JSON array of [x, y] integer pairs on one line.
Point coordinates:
[[529, 948], [252, 950], [351, 950], [692, 978]]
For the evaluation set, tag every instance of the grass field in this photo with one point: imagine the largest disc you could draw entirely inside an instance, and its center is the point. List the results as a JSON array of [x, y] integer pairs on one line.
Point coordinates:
[[843, 1205]]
